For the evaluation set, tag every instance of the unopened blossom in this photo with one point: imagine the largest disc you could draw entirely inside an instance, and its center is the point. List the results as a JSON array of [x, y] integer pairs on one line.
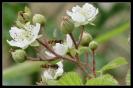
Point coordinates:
[[61, 49], [23, 37], [52, 73], [83, 15]]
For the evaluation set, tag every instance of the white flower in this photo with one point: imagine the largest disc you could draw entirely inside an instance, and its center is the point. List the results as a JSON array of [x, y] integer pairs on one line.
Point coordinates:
[[25, 36], [83, 15], [51, 73], [61, 49]]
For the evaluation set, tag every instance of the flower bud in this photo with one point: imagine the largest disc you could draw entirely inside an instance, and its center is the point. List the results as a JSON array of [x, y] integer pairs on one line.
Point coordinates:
[[86, 39], [19, 55], [38, 18], [27, 11], [23, 17], [20, 17], [93, 45], [67, 25]]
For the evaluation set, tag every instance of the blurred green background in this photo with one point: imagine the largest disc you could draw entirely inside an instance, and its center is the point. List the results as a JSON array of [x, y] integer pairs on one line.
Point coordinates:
[[112, 31]]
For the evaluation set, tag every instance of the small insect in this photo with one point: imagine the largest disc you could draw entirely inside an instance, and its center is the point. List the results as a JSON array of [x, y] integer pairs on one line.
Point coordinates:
[[55, 41], [50, 66]]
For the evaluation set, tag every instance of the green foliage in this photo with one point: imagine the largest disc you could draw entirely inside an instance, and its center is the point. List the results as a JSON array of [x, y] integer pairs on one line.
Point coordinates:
[[117, 62], [70, 78], [102, 80], [22, 69], [52, 82], [118, 30]]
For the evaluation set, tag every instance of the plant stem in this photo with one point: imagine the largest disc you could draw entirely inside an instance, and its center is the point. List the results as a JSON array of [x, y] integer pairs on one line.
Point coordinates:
[[83, 69], [86, 57], [42, 59], [71, 35], [88, 66], [81, 34], [93, 63], [47, 47]]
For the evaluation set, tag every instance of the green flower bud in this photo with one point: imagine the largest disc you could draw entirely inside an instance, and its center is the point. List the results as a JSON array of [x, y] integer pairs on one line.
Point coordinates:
[[86, 39], [23, 17], [27, 11], [19, 55], [38, 18], [20, 17], [93, 45], [67, 25]]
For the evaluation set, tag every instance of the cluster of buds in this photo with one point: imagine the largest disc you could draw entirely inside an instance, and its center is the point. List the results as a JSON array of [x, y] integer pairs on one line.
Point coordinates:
[[25, 33]]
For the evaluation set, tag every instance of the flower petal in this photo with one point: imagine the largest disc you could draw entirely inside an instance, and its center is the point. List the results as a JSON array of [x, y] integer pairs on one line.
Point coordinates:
[[60, 49], [58, 73], [69, 41], [22, 44], [15, 32], [60, 70], [47, 75]]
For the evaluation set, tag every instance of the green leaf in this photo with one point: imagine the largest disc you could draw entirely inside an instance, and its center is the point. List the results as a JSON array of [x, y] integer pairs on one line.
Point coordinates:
[[22, 69], [102, 80], [35, 43], [128, 78], [52, 82], [70, 78], [118, 30], [114, 64]]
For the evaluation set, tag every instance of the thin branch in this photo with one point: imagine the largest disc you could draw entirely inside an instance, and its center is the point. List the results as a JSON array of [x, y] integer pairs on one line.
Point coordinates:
[[88, 66], [81, 35], [47, 47], [83, 69], [41, 59], [86, 57], [71, 35], [93, 65]]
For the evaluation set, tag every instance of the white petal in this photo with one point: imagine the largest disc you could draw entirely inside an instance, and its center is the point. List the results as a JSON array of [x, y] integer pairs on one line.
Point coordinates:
[[15, 32], [69, 41], [87, 6], [22, 45], [47, 75], [76, 9], [35, 32], [77, 17], [36, 29], [60, 49], [58, 73]]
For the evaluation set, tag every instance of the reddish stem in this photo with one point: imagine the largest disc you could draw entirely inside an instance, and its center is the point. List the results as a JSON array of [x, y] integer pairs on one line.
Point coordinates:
[[93, 65], [47, 47]]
